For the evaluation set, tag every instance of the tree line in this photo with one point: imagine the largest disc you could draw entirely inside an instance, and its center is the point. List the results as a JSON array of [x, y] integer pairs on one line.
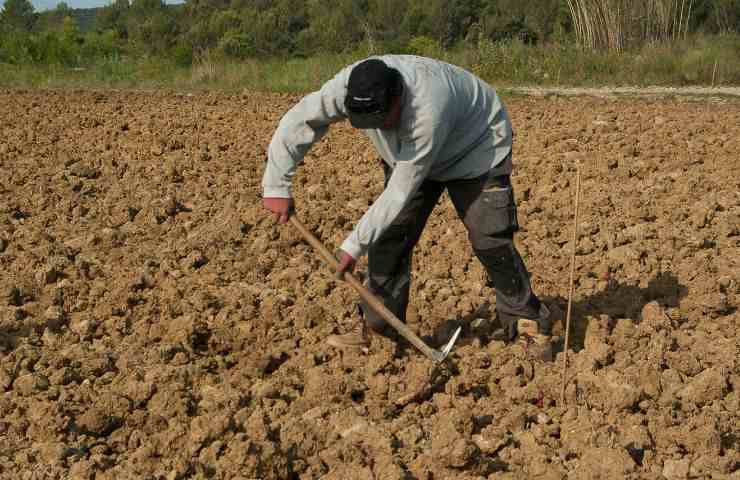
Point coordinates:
[[300, 28]]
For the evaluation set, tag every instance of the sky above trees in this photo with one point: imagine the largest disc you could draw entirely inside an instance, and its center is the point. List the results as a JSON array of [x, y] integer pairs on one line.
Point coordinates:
[[41, 5]]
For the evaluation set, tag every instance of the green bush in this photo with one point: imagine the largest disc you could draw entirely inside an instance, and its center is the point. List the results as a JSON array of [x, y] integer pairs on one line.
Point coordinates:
[[504, 60], [236, 44], [16, 48], [100, 45], [182, 54], [424, 46]]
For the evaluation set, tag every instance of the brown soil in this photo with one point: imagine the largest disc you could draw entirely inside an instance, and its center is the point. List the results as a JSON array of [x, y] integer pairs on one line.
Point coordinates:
[[154, 323]]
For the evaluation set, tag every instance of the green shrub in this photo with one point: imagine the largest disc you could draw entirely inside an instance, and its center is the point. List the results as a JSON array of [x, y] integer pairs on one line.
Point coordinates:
[[16, 48], [424, 46], [504, 60], [236, 44], [182, 54], [100, 45]]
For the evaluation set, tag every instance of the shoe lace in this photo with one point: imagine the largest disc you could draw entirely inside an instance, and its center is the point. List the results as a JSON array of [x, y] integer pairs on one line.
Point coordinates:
[[358, 329], [528, 340]]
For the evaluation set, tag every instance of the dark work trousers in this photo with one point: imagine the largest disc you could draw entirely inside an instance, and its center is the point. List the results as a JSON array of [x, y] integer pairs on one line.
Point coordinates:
[[487, 208]]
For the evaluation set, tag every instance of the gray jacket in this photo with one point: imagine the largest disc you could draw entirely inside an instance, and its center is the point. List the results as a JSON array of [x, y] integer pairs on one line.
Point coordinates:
[[453, 126]]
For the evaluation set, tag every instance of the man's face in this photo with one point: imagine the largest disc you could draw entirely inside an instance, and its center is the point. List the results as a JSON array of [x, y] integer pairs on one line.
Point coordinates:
[[394, 115]]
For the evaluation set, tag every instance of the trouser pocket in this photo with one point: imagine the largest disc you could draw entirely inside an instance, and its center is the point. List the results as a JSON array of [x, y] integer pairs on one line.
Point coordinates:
[[494, 211]]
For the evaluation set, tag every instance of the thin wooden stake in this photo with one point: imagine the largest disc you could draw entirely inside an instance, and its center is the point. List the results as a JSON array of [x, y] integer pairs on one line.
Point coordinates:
[[572, 274]]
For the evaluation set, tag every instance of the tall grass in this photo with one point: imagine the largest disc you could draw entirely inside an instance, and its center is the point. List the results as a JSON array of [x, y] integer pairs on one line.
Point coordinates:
[[618, 24], [698, 60]]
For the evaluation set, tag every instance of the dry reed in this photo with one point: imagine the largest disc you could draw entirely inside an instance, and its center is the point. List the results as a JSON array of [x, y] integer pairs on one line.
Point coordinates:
[[618, 24]]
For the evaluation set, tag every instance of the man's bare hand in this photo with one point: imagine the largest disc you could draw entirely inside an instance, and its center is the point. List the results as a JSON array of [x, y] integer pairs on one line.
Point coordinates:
[[346, 264], [280, 207]]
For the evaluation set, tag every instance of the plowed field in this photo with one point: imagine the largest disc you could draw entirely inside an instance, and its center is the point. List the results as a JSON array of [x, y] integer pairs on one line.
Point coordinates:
[[156, 324]]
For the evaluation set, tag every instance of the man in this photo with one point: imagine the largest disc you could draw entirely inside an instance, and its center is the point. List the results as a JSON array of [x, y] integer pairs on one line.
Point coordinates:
[[437, 127]]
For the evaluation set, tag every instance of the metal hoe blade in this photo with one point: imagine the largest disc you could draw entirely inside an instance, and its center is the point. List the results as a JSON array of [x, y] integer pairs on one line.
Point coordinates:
[[440, 355]]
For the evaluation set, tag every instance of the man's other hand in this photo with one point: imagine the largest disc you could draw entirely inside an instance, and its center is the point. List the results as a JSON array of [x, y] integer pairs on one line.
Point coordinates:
[[346, 264], [280, 207]]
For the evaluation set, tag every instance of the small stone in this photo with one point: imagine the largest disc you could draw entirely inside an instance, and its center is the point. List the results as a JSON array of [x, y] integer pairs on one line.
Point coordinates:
[[411, 435], [314, 414], [204, 154], [653, 313], [143, 281], [171, 206], [80, 326], [699, 218], [543, 418], [27, 385], [676, 469], [482, 442], [462, 453], [50, 338], [606, 463], [85, 171], [58, 263], [96, 422], [46, 275], [265, 389], [489, 443], [257, 426], [173, 173], [357, 204], [709, 385], [3, 245], [62, 376], [444, 293], [75, 245], [175, 273], [196, 259], [54, 314], [52, 452], [157, 150], [15, 297], [6, 379], [479, 324]]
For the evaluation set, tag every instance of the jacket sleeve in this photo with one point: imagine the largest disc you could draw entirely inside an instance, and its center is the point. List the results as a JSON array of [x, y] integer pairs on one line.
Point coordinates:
[[301, 127], [413, 163]]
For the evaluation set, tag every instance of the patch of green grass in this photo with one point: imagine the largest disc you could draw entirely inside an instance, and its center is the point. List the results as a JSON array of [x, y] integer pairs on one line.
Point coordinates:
[[700, 60]]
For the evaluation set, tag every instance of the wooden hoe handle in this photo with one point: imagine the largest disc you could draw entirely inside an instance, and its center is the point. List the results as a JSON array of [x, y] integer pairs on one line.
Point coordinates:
[[367, 295]]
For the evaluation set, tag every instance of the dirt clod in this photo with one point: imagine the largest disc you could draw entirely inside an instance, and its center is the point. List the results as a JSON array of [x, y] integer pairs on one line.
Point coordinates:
[[29, 384], [97, 422], [676, 469]]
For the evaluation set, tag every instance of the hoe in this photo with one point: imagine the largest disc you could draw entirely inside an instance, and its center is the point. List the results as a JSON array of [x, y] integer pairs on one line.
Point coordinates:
[[437, 356]]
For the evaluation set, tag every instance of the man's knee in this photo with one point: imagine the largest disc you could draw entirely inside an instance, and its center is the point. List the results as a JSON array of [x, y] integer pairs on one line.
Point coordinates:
[[485, 242], [492, 215]]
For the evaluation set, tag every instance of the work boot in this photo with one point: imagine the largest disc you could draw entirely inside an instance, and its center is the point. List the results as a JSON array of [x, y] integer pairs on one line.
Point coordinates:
[[536, 346], [357, 337]]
